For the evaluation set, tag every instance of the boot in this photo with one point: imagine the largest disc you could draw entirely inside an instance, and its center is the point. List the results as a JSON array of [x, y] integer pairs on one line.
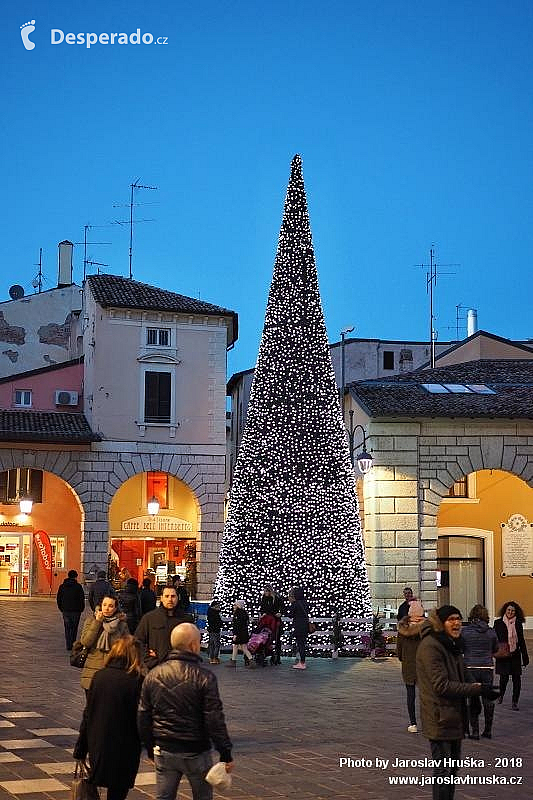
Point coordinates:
[[489, 716], [474, 729]]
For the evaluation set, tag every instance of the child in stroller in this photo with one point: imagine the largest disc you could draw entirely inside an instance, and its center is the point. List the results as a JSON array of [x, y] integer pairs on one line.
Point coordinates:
[[261, 643]]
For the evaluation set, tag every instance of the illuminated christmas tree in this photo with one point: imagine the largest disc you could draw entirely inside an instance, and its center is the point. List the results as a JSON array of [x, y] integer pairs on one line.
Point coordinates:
[[293, 518]]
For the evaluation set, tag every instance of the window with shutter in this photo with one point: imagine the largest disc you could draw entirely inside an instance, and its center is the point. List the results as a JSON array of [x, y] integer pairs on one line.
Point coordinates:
[[157, 386]]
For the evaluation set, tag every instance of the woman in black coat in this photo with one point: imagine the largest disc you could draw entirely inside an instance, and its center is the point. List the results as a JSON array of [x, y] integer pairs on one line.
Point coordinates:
[[108, 732], [299, 611], [509, 630], [239, 627]]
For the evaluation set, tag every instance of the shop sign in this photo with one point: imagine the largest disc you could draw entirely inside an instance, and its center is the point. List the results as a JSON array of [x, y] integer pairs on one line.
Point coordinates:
[[158, 524]]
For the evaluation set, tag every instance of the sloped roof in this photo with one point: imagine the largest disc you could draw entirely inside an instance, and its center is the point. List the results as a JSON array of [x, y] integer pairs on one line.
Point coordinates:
[[404, 395], [115, 291], [45, 426]]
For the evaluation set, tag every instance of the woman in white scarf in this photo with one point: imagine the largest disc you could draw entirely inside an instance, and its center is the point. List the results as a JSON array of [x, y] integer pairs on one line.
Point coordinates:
[[509, 630], [99, 634]]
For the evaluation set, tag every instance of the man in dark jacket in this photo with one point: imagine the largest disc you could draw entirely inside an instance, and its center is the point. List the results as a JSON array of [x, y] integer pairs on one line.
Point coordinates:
[[180, 715], [71, 602], [154, 629], [101, 588], [443, 689]]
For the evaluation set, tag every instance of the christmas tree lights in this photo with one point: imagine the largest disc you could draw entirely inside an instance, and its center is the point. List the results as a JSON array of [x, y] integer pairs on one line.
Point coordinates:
[[293, 518]]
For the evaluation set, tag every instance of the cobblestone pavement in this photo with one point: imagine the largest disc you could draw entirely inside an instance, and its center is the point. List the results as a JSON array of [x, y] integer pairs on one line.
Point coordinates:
[[289, 728]]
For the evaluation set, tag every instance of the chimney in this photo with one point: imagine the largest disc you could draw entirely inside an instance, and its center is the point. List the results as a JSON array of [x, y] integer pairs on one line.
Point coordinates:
[[64, 264], [471, 321]]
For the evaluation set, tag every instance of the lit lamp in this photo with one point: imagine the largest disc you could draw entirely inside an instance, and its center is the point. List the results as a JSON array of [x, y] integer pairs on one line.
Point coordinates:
[[364, 459], [25, 504], [153, 506]]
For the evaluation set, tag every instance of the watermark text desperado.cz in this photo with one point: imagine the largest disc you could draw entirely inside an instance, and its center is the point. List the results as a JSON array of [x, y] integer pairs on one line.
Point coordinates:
[[57, 36]]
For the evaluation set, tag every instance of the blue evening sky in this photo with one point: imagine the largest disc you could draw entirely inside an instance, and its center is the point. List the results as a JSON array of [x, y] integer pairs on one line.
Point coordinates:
[[414, 121]]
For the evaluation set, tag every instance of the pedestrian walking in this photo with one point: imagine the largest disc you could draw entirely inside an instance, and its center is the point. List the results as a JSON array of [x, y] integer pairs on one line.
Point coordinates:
[[108, 732], [271, 603], [155, 627], [480, 644], [99, 634], [214, 626], [299, 611], [510, 632], [101, 588], [147, 597], [181, 716], [130, 604], [71, 602], [443, 687], [239, 625], [406, 648]]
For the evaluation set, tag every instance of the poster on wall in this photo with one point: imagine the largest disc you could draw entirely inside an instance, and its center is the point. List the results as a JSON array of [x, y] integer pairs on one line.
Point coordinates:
[[517, 546]]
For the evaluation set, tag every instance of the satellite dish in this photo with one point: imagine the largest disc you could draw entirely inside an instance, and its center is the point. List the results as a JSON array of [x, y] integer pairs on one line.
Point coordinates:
[[16, 292]]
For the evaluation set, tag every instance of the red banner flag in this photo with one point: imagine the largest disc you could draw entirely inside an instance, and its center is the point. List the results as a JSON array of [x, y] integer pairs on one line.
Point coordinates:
[[44, 548]]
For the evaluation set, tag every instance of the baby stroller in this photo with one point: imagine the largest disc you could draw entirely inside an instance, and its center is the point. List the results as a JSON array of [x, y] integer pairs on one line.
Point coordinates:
[[261, 643]]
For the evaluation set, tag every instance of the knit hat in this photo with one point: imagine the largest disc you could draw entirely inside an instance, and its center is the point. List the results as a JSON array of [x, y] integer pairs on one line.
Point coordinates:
[[416, 609], [239, 603], [446, 611], [268, 588]]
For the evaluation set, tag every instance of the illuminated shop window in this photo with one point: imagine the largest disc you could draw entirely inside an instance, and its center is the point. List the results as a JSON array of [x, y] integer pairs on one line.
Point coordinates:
[[58, 551], [157, 486]]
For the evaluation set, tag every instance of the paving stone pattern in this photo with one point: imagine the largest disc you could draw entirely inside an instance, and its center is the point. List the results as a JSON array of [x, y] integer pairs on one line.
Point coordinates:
[[289, 727]]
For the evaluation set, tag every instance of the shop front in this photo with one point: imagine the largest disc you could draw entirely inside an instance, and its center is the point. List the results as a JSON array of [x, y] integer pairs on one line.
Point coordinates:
[[15, 561]]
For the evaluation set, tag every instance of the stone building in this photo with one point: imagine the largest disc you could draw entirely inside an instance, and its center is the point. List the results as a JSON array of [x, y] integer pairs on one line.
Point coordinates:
[[448, 503], [148, 423]]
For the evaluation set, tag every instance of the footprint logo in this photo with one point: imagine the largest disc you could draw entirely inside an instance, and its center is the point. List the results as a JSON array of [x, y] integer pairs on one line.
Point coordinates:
[[25, 31]]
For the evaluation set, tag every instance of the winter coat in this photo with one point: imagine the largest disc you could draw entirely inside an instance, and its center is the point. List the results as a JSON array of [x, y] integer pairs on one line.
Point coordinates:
[[70, 596], [442, 682], [513, 664], [406, 648], [214, 620], [153, 631], [480, 642], [95, 660], [181, 709], [271, 604], [100, 589], [403, 610], [299, 611], [148, 600], [239, 626], [130, 605], [108, 731]]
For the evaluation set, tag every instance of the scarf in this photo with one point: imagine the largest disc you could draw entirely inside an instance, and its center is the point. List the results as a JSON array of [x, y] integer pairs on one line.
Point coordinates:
[[512, 638], [109, 633]]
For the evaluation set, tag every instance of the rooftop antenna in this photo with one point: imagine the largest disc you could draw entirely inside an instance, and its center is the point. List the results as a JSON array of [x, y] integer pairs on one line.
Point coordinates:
[[37, 282], [458, 319], [85, 243], [133, 187], [431, 282], [96, 264]]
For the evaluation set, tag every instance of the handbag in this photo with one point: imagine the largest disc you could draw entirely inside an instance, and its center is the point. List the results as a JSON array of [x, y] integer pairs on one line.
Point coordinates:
[[503, 651], [81, 789], [311, 627], [78, 656]]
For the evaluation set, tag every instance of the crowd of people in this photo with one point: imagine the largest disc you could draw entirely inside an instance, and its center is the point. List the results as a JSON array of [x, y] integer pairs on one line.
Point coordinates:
[[454, 667], [143, 674]]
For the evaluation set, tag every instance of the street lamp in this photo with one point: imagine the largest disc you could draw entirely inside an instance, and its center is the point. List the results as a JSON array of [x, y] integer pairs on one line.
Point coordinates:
[[153, 506], [364, 459], [25, 504], [343, 334]]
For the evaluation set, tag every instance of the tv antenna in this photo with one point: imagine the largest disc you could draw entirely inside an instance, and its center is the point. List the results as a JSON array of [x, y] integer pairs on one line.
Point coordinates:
[[458, 319], [431, 282], [133, 187], [96, 264], [86, 260], [37, 282]]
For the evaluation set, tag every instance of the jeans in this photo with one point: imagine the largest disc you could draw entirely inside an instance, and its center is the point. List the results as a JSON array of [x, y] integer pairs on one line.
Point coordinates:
[[485, 677], [170, 767], [411, 708], [301, 639], [71, 621], [213, 648], [441, 749]]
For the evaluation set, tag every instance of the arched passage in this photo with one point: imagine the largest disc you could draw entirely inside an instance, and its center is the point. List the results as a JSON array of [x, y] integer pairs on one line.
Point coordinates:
[[154, 545]]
